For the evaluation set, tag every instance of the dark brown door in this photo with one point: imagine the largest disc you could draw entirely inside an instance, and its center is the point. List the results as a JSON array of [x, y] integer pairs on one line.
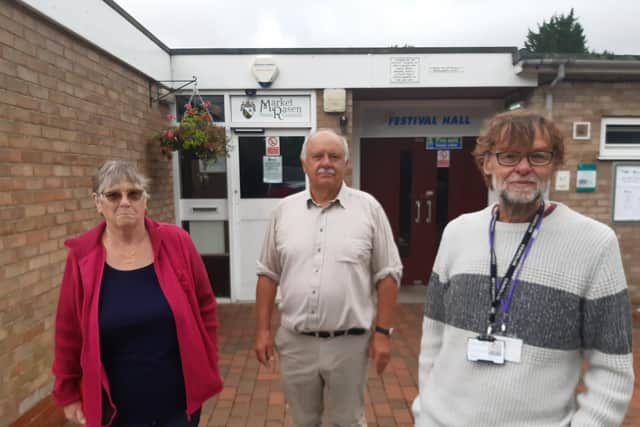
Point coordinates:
[[467, 191], [402, 175]]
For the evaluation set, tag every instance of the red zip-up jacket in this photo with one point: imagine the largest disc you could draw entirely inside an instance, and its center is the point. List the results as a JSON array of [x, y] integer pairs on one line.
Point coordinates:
[[77, 367]]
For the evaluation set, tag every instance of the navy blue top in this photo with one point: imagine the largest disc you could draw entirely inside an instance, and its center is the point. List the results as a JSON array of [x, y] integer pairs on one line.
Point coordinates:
[[139, 346]]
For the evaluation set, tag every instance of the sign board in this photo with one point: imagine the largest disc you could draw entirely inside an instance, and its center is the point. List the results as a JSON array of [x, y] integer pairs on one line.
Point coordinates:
[[272, 146], [626, 192], [272, 169], [249, 110], [404, 69], [586, 177], [444, 158], [563, 180], [444, 143]]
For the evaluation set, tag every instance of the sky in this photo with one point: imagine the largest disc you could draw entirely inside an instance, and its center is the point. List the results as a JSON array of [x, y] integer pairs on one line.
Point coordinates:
[[611, 25]]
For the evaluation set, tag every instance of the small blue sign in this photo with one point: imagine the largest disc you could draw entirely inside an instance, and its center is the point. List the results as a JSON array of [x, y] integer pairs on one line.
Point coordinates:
[[444, 143]]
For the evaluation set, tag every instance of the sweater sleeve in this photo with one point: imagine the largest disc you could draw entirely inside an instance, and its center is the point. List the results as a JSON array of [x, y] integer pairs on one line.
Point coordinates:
[[68, 337], [431, 342], [430, 345], [606, 330]]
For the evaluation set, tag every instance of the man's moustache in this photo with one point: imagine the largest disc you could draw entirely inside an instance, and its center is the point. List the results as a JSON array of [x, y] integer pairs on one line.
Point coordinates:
[[330, 171], [531, 179]]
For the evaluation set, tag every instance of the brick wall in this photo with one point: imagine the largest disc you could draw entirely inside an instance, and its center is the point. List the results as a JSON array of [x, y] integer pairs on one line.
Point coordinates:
[[589, 102], [332, 121], [65, 107]]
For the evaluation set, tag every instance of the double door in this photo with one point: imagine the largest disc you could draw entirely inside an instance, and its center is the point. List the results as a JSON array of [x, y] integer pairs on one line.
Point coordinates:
[[402, 176], [419, 197]]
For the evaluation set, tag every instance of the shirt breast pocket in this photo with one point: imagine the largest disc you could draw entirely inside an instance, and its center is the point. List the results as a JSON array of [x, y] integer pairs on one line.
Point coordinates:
[[354, 251]]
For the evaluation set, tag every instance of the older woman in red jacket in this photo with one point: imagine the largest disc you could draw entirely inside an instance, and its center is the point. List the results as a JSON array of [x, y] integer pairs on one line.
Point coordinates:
[[136, 328]]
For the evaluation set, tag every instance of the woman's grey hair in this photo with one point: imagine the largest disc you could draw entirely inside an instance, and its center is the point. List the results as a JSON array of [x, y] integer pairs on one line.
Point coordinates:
[[303, 152], [113, 172]]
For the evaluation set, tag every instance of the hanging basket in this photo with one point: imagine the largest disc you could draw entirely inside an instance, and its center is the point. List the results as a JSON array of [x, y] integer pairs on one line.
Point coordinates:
[[196, 133]]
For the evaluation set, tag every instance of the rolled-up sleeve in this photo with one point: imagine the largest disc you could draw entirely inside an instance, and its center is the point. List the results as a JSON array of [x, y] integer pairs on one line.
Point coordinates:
[[268, 264], [385, 259]]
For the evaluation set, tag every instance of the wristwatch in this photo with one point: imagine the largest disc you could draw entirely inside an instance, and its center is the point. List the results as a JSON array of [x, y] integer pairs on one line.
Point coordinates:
[[384, 331]]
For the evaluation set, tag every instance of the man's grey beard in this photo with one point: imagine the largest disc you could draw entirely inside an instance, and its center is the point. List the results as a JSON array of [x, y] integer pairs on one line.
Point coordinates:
[[518, 208], [515, 206]]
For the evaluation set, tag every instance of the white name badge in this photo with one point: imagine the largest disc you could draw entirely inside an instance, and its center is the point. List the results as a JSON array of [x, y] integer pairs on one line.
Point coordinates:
[[512, 348], [485, 351]]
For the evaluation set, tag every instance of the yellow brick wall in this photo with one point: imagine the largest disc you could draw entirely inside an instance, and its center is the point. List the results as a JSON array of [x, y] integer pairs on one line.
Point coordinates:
[[332, 121], [65, 107], [590, 102]]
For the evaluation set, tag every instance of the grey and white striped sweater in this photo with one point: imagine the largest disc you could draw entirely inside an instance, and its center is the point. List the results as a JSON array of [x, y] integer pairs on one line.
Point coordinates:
[[571, 304]]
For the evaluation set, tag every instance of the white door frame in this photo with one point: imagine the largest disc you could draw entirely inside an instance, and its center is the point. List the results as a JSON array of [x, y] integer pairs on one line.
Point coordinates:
[[238, 268]]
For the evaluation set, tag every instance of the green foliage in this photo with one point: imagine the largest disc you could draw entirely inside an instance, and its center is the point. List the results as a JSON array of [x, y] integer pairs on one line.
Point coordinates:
[[562, 34], [196, 133]]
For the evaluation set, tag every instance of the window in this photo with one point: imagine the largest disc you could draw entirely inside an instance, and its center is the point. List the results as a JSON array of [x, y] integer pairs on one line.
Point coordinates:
[[620, 138], [216, 106], [252, 174]]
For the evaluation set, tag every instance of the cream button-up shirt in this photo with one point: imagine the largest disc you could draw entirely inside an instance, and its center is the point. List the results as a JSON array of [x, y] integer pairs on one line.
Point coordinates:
[[327, 261]]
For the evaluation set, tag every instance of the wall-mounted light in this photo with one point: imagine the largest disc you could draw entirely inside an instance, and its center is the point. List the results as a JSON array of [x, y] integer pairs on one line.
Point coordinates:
[[343, 121]]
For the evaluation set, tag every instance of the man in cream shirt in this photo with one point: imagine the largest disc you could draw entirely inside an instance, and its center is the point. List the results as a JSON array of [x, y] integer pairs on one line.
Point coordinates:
[[330, 250]]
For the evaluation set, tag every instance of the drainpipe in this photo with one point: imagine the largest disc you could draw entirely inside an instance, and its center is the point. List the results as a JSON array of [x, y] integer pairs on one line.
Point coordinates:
[[549, 95]]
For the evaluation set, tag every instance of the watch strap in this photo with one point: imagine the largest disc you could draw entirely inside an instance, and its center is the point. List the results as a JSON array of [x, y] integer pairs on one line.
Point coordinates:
[[384, 331]]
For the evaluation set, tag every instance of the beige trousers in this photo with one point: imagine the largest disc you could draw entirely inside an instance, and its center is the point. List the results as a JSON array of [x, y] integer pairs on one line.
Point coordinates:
[[311, 365]]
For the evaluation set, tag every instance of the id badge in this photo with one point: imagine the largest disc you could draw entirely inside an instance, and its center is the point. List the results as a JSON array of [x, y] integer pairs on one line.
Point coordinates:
[[479, 350], [512, 348]]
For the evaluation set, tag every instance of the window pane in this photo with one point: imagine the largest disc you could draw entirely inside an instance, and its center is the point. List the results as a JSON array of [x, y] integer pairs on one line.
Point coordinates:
[[212, 240], [199, 180], [252, 175], [210, 237], [216, 107], [623, 134]]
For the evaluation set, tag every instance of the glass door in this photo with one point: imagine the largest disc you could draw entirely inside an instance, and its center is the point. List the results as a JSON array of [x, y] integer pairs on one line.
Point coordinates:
[[204, 214], [268, 169]]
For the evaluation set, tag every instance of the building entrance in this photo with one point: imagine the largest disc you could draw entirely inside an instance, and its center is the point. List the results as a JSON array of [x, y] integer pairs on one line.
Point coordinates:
[[419, 197]]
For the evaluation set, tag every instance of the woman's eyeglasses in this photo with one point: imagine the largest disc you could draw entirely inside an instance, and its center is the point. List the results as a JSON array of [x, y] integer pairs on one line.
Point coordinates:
[[535, 158], [116, 196]]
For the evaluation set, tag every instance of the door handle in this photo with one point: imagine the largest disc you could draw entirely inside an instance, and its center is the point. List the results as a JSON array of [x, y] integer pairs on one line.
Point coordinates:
[[428, 219], [418, 207]]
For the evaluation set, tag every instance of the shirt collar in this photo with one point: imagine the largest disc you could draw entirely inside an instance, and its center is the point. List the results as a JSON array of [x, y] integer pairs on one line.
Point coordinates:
[[341, 199]]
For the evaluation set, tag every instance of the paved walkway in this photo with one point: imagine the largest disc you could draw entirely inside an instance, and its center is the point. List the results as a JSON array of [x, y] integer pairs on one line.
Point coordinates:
[[253, 396]]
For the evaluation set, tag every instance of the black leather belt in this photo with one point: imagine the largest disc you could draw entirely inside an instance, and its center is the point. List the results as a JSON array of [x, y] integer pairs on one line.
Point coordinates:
[[329, 334]]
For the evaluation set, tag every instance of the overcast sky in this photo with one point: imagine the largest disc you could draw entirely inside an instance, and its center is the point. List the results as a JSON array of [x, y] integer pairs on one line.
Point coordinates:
[[612, 25]]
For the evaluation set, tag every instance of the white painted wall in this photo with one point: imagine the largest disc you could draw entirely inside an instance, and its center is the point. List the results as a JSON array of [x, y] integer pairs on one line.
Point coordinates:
[[99, 24], [307, 71]]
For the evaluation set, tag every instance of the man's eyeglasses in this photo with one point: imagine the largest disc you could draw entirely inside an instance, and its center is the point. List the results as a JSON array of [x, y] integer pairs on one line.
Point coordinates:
[[535, 158], [116, 196]]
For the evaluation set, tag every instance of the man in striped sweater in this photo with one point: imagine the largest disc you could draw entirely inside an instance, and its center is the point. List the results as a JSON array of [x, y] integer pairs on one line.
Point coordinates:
[[521, 295]]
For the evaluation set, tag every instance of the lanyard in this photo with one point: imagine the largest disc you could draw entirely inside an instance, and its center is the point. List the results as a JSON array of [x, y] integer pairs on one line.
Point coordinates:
[[508, 281]]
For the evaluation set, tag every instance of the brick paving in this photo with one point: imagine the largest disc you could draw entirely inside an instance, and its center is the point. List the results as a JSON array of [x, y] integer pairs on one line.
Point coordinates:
[[253, 395]]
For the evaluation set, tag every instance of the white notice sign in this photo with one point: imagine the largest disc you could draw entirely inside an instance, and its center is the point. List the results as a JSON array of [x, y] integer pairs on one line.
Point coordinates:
[[405, 69], [272, 169], [627, 193], [563, 180]]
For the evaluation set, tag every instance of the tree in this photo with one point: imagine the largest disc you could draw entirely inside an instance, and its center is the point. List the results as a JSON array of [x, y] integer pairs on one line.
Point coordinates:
[[562, 34]]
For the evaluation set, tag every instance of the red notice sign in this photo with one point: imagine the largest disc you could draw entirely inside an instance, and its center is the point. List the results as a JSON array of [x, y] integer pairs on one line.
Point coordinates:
[[443, 158], [272, 146]]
